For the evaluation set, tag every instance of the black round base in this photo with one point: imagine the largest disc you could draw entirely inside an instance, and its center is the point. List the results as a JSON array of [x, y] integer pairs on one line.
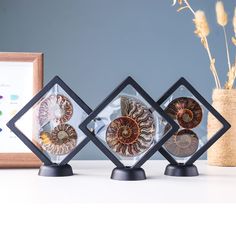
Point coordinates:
[[55, 170], [181, 170], [128, 174]]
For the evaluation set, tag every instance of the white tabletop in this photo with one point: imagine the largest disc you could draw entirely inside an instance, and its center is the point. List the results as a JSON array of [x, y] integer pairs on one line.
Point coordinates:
[[92, 183]]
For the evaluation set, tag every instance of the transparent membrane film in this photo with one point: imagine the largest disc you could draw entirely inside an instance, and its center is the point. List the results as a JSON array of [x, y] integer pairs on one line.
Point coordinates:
[[56, 118], [192, 117], [128, 126]]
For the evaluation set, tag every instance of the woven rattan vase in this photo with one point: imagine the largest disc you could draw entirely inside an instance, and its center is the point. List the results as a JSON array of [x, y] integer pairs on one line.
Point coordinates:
[[223, 152]]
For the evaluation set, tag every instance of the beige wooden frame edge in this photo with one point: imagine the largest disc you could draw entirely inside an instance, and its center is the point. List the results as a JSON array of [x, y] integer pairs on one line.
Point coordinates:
[[24, 160]]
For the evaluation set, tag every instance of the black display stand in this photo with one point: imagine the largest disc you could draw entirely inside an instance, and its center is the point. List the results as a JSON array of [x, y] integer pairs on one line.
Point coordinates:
[[128, 173], [122, 172], [181, 170], [55, 170], [49, 168], [188, 168]]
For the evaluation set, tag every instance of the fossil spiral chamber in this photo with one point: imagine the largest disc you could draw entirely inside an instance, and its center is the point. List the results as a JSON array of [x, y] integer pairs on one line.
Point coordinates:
[[183, 143], [186, 111], [60, 141], [133, 132], [55, 107]]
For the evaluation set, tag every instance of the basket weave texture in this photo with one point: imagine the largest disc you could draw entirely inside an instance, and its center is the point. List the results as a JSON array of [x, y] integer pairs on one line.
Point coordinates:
[[223, 152]]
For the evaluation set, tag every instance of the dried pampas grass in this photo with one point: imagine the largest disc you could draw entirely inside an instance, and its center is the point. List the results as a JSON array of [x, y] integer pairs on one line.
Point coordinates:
[[222, 20], [234, 21], [200, 20], [202, 31], [231, 77], [221, 15], [234, 26]]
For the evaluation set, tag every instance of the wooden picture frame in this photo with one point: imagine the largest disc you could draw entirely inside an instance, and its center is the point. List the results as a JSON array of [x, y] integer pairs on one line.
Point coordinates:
[[15, 66]]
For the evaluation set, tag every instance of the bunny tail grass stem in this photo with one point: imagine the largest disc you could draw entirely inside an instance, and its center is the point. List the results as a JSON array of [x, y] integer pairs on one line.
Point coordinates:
[[190, 8], [212, 66], [227, 48]]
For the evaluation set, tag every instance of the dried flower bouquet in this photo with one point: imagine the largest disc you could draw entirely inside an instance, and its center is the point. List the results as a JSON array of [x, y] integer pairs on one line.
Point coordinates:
[[202, 31]]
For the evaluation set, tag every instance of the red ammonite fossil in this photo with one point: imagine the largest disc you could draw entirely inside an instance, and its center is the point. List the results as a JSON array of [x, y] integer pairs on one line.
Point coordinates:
[[62, 140], [57, 108], [186, 111], [133, 132], [184, 143]]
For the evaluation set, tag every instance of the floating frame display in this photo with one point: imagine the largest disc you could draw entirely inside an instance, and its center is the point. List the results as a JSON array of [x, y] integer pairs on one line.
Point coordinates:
[[194, 100], [58, 137], [21, 77], [113, 118]]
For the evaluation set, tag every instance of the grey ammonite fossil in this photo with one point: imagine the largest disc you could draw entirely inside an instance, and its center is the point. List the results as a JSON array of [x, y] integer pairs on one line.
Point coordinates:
[[132, 133], [186, 111], [183, 143], [56, 108], [61, 141]]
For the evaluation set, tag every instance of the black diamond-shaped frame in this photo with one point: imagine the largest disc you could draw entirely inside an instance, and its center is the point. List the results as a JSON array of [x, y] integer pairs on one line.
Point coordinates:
[[128, 81], [213, 139], [30, 104]]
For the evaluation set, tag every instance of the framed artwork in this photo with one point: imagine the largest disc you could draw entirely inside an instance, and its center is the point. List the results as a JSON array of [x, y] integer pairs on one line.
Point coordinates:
[[21, 77]]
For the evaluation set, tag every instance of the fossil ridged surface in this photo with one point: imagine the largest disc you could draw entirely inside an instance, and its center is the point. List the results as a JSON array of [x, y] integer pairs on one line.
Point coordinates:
[[184, 143], [133, 132], [62, 140], [186, 111], [56, 108]]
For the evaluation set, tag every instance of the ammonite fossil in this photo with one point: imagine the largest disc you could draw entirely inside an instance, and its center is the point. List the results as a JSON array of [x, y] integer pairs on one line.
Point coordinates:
[[186, 111], [184, 143], [133, 132], [62, 140], [57, 108]]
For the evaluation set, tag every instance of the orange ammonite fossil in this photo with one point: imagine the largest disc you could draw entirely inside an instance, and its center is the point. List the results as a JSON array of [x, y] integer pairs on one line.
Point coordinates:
[[184, 143], [56, 108], [132, 133], [62, 140], [186, 111]]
